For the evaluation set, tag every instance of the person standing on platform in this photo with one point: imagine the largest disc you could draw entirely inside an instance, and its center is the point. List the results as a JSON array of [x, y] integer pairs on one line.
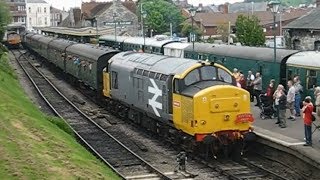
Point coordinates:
[[270, 91], [307, 119], [317, 102], [297, 98], [257, 87], [250, 79], [282, 108], [242, 81], [276, 96], [236, 74], [290, 100]]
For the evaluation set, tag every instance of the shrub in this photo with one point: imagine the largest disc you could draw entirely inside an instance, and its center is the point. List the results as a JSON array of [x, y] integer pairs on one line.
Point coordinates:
[[61, 124]]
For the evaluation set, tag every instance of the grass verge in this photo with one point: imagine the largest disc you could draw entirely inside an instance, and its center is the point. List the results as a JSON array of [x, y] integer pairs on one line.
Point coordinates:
[[34, 146]]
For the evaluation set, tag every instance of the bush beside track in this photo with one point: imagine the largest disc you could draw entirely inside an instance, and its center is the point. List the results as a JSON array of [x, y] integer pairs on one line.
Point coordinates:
[[35, 146]]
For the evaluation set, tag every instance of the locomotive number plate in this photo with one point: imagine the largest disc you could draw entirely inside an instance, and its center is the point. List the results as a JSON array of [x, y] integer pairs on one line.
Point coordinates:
[[244, 118]]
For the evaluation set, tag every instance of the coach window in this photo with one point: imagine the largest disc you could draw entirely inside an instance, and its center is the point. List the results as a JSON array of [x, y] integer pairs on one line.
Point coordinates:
[[114, 80], [311, 79], [289, 74]]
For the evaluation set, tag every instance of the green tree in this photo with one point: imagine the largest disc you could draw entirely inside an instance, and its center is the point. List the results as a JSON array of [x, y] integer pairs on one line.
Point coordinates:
[[223, 31], [249, 32], [5, 18], [187, 29], [159, 15]]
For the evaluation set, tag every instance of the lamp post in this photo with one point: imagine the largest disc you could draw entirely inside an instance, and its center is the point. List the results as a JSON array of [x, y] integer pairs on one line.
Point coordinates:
[[96, 23], [144, 15], [192, 38], [274, 7], [115, 28]]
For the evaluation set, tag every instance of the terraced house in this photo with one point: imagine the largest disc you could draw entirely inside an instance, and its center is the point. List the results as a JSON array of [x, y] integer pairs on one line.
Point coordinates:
[[18, 12]]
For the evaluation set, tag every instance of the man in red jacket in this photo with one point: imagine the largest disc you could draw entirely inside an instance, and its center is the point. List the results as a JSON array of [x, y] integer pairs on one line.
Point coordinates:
[[307, 118]]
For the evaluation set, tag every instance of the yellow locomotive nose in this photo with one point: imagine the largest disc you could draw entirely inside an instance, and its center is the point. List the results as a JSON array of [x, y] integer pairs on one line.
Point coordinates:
[[222, 108]]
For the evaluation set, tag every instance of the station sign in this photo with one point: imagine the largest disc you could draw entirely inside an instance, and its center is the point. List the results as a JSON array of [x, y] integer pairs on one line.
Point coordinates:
[[118, 23]]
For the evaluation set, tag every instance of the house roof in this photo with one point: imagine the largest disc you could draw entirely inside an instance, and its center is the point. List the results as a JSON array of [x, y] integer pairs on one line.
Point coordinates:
[[247, 7], [265, 17], [91, 9], [54, 10], [36, 1], [308, 21]]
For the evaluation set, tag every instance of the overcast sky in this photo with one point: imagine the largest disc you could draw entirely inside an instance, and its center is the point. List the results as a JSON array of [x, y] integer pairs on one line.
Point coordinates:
[[77, 3]]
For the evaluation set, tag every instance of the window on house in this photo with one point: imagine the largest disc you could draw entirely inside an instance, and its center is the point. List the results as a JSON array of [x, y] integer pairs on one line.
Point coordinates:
[[114, 80], [45, 10], [29, 9], [45, 21], [30, 20]]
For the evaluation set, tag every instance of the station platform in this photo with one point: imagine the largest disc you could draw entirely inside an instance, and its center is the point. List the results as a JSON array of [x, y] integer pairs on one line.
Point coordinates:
[[291, 137]]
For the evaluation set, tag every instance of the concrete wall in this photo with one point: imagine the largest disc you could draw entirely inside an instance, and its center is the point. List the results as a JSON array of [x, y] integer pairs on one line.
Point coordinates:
[[122, 14], [302, 39]]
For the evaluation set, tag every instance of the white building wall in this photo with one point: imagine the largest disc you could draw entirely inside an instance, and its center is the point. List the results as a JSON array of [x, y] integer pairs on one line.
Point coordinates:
[[38, 15]]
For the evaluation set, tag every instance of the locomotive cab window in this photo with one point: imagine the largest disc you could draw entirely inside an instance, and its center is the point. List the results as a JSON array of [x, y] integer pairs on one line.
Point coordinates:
[[224, 76]]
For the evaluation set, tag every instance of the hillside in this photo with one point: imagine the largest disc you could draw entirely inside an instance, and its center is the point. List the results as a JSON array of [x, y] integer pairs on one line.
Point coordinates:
[[32, 147]]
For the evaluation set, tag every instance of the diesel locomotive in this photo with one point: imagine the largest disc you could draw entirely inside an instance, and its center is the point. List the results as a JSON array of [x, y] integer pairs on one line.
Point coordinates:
[[181, 99], [13, 40]]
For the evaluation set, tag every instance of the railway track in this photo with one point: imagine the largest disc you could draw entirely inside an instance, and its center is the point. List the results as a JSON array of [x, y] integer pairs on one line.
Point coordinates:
[[126, 163], [243, 170]]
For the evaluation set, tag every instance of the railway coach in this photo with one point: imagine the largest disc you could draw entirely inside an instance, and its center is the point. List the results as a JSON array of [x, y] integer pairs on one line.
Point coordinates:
[[126, 43]]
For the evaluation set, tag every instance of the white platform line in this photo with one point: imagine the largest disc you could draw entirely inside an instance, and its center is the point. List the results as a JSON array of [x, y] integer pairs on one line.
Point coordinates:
[[285, 143]]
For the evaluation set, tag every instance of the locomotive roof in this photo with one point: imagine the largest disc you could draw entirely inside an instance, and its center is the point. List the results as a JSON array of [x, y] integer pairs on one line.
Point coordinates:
[[151, 62], [246, 52], [307, 59], [89, 51]]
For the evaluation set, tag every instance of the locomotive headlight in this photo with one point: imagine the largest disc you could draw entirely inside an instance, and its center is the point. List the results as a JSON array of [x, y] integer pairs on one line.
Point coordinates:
[[235, 105], [203, 122]]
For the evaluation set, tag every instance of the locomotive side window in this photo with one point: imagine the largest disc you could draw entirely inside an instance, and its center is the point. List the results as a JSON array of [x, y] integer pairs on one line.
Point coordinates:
[[114, 80], [176, 86]]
